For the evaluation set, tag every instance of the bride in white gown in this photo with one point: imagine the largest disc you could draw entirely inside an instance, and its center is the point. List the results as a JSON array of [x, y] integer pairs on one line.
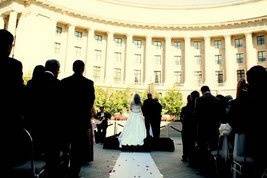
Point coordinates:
[[134, 131]]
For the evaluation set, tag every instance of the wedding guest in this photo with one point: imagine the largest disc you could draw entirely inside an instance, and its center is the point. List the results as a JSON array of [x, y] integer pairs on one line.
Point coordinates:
[[79, 97], [102, 126], [11, 109]]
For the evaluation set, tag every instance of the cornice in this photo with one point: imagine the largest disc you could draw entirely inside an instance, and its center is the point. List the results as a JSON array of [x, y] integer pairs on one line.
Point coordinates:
[[136, 25], [186, 6]]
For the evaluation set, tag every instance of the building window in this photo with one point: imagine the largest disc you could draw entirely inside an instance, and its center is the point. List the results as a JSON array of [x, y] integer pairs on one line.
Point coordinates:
[[157, 60], [218, 59], [238, 43], [240, 74], [96, 73], [260, 40], [262, 56], [138, 59], [78, 34], [118, 57], [177, 45], [240, 58], [157, 44], [218, 44], [219, 75], [177, 60], [59, 30], [118, 41], [98, 55], [198, 76], [138, 43], [78, 51], [98, 38], [157, 77], [57, 48], [137, 76], [196, 44], [197, 59], [177, 76], [117, 75]]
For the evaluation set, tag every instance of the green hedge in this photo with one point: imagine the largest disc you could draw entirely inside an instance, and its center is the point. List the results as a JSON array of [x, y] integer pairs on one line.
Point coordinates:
[[118, 101]]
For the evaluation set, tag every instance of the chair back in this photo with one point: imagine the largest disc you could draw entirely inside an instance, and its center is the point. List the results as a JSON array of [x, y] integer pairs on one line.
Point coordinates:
[[239, 146], [225, 147]]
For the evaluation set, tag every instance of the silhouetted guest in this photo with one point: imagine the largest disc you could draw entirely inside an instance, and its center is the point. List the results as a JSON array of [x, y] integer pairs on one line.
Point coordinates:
[[208, 115], [79, 96], [156, 118], [255, 119], [189, 126], [147, 110], [237, 112], [103, 117], [224, 105], [50, 119], [183, 117], [34, 92], [11, 98]]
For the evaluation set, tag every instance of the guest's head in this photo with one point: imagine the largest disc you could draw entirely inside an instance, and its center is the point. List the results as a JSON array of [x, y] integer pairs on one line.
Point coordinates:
[[188, 99], [194, 96], [137, 99], [38, 72], [149, 95], [205, 89], [6, 41], [256, 77], [53, 66], [101, 108], [78, 67], [241, 88]]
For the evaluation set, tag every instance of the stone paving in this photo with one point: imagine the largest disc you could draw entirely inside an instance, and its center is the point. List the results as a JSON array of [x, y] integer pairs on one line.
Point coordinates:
[[169, 163]]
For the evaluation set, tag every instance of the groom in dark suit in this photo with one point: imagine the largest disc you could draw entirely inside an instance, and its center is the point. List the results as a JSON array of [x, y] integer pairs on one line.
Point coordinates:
[[147, 110], [79, 97]]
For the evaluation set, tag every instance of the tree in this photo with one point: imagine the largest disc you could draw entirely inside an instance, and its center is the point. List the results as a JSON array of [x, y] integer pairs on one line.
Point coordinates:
[[172, 102]]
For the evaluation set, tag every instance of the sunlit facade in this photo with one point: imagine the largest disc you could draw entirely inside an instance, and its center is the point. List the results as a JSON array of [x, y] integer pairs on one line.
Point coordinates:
[[131, 44]]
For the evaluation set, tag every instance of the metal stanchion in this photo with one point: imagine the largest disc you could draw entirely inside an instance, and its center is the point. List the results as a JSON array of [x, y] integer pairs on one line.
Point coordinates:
[[115, 127]]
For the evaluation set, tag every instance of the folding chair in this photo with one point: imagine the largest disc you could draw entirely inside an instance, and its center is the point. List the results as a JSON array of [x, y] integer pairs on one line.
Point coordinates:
[[221, 155], [241, 159], [33, 168]]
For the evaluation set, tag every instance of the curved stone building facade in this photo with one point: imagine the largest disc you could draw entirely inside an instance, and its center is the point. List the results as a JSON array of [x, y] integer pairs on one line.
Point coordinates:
[[131, 43]]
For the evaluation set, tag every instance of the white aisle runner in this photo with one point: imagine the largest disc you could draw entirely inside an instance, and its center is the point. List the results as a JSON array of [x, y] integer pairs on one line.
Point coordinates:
[[135, 165]]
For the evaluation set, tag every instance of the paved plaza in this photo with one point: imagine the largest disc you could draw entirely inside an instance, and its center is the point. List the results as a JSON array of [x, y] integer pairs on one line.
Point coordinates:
[[168, 163]]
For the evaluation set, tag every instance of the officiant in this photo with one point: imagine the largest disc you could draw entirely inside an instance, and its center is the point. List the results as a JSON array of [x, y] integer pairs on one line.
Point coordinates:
[[102, 126]]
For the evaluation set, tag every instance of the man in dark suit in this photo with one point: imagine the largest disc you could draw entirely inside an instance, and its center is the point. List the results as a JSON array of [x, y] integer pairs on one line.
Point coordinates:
[[11, 98], [147, 110], [208, 114], [50, 120], [79, 96], [156, 118], [103, 125]]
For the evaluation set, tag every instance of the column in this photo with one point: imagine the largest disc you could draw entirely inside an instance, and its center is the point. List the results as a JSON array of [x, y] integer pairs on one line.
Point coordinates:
[[251, 52], [129, 77], [148, 61], [2, 23], [209, 66], [230, 64], [89, 54], [109, 71], [51, 38], [168, 69], [188, 62], [70, 51], [12, 22]]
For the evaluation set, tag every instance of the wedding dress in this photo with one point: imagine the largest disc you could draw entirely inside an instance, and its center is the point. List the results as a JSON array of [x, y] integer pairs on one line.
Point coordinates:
[[134, 131]]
